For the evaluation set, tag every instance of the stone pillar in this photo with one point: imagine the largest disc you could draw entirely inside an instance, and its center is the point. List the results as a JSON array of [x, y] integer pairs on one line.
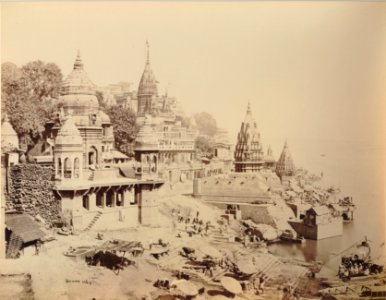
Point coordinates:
[[197, 189], [148, 207], [92, 201], [113, 198], [122, 195], [72, 168], [56, 167], [103, 198], [137, 194], [126, 196], [62, 168]]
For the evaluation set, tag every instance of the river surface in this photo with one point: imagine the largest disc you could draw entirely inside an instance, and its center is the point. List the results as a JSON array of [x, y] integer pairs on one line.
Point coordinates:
[[359, 170]]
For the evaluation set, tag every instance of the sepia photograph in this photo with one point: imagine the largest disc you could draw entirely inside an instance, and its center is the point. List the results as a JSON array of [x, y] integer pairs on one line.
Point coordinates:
[[193, 150]]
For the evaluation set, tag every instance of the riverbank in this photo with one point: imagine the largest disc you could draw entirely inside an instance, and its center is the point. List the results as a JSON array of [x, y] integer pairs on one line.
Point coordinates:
[[56, 276]]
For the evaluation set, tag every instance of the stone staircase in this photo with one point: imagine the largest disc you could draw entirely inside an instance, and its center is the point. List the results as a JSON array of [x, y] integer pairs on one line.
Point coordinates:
[[93, 221], [219, 237], [14, 246]]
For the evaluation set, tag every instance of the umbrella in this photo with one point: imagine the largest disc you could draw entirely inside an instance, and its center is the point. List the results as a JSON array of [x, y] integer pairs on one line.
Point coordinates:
[[231, 285], [246, 267], [210, 251], [186, 287]]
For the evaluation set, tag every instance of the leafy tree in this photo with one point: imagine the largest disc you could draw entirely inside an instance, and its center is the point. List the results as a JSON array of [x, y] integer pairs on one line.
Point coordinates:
[[204, 145], [125, 128], [42, 80], [28, 97], [206, 124]]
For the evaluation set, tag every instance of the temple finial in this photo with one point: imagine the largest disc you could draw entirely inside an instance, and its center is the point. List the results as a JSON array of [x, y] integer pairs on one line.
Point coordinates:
[[6, 119], [78, 61], [249, 111], [148, 52]]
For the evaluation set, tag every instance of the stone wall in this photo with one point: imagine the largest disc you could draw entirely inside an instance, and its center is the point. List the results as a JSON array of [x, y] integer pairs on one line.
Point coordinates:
[[30, 191], [232, 188]]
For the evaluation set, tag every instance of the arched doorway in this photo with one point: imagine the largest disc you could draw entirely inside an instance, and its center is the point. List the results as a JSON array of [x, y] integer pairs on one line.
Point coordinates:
[[92, 156], [76, 167], [67, 168]]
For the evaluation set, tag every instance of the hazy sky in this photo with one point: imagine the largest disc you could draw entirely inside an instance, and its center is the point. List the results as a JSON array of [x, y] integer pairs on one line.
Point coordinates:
[[309, 69]]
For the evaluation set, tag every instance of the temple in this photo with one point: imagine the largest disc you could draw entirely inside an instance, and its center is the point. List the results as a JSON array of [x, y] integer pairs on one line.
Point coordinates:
[[176, 153], [93, 181], [249, 155], [285, 166]]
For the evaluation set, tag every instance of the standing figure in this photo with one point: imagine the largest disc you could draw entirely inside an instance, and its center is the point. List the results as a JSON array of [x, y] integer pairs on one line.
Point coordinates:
[[37, 247]]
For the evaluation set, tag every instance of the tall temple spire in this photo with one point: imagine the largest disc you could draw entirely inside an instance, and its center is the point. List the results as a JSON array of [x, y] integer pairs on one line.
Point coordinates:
[[147, 88], [249, 154], [78, 62]]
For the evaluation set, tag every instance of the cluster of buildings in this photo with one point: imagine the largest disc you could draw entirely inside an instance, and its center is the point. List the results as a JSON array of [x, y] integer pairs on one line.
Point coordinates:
[[98, 185]]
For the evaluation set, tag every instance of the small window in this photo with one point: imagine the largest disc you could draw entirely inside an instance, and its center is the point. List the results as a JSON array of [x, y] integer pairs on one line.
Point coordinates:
[[93, 119]]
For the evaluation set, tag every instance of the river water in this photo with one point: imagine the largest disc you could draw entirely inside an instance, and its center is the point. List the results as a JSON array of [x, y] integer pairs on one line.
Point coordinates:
[[359, 170]]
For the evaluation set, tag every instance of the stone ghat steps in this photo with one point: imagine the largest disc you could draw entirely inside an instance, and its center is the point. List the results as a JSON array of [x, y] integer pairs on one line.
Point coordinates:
[[93, 221], [217, 237]]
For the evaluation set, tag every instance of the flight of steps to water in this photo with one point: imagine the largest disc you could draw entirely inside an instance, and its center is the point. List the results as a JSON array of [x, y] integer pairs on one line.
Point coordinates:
[[218, 237], [14, 246], [93, 221]]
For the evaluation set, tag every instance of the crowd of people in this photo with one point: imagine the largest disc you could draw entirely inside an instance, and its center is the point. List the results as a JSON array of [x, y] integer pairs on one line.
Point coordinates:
[[353, 266]]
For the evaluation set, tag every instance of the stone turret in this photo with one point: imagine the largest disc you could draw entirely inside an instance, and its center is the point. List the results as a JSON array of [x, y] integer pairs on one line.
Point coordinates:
[[270, 161], [222, 145], [68, 152], [285, 165], [147, 89], [146, 150], [249, 154], [9, 138]]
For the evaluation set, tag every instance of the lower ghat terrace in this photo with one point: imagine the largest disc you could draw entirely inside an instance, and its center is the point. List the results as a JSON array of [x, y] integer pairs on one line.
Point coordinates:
[[109, 201]]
